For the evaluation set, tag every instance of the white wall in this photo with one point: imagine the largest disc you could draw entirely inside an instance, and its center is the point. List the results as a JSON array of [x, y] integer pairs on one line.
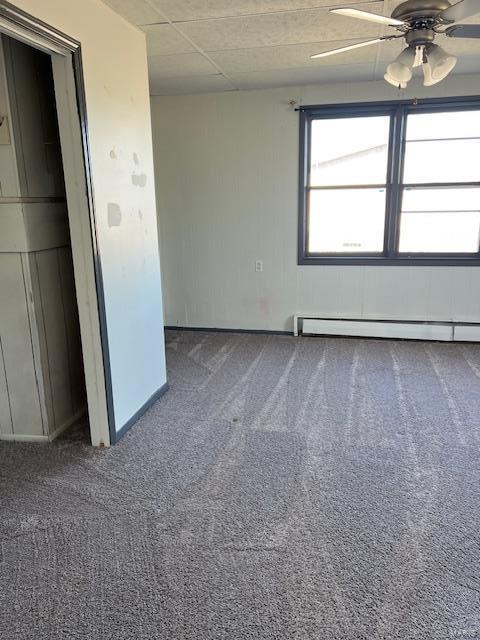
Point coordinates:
[[118, 109], [227, 171]]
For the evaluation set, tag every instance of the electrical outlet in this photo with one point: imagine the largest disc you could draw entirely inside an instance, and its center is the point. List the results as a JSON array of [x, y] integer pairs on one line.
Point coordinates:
[[258, 265]]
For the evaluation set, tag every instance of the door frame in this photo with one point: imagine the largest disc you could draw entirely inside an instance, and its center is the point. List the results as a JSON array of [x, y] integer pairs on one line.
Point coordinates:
[[68, 77]]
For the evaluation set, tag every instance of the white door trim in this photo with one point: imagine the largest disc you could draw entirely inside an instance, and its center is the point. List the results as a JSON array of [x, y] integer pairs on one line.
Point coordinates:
[[82, 249]]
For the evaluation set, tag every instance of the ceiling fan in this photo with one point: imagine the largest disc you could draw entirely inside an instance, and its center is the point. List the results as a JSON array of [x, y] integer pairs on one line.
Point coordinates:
[[419, 22]]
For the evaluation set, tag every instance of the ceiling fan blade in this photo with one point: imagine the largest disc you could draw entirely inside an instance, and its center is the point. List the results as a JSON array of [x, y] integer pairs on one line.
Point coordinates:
[[463, 31], [349, 47], [371, 17], [460, 11]]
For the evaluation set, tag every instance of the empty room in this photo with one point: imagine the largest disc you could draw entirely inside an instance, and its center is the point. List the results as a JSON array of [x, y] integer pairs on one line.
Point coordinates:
[[240, 320]]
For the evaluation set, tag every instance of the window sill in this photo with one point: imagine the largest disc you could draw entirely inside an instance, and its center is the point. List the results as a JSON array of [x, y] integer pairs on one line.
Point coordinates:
[[453, 261]]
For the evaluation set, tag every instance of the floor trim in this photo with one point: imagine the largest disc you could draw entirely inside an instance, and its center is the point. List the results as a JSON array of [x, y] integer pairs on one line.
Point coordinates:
[[223, 330], [138, 414], [20, 437], [16, 437], [78, 415]]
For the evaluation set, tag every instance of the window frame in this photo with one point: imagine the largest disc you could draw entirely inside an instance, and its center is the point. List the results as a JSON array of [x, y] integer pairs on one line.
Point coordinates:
[[398, 110]]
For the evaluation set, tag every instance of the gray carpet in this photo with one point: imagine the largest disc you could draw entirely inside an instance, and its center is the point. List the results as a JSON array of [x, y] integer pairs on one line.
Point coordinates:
[[300, 489]]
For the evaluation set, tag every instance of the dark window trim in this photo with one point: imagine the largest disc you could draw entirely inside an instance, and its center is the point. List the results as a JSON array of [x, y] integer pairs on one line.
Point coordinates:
[[398, 110]]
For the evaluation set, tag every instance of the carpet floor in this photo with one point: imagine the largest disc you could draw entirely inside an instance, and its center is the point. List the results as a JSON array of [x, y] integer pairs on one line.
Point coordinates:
[[288, 489]]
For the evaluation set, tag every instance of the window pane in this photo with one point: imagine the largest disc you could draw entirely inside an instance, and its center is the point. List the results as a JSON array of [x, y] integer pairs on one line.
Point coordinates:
[[456, 199], [440, 220], [349, 151], [439, 232], [442, 161], [346, 221], [447, 124]]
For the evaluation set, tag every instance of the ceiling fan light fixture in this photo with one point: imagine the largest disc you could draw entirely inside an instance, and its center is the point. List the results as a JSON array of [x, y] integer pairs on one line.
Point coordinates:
[[428, 81], [418, 22], [400, 70], [441, 62], [395, 82]]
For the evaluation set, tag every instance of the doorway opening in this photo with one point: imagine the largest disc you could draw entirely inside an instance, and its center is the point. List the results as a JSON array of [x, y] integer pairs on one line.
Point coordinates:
[[42, 378], [54, 361]]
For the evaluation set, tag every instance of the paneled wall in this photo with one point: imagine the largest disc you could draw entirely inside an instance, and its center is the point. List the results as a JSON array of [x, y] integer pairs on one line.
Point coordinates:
[[53, 290], [227, 185], [42, 388], [22, 412], [41, 375]]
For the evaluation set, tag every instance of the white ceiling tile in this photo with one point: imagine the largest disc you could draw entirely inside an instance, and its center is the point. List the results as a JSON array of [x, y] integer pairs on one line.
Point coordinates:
[[163, 39], [460, 46], [279, 29], [475, 19], [135, 11], [180, 65], [197, 84], [266, 43], [184, 10], [290, 57], [468, 64], [390, 49], [297, 77]]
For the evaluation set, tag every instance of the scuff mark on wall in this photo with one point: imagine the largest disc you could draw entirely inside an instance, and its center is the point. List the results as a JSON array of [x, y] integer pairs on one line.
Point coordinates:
[[113, 154], [139, 179], [114, 214], [262, 303]]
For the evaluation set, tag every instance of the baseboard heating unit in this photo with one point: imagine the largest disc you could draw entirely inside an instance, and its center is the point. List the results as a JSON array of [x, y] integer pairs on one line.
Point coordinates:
[[312, 324]]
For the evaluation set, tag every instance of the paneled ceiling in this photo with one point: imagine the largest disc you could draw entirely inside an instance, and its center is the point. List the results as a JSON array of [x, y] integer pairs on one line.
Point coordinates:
[[197, 46]]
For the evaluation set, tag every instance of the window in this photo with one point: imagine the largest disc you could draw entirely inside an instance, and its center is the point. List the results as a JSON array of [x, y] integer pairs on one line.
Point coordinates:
[[391, 183]]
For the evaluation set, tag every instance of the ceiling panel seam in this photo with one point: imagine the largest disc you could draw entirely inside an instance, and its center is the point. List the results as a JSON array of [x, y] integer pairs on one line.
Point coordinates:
[[291, 69], [259, 14], [194, 44], [320, 43], [189, 76]]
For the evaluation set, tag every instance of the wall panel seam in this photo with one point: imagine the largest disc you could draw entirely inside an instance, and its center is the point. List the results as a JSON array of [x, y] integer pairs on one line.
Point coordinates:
[[6, 385], [44, 426]]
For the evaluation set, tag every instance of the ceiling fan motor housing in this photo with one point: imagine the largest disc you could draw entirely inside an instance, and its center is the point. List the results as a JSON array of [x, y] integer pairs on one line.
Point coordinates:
[[421, 17], [420, 11], [419, 37]]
